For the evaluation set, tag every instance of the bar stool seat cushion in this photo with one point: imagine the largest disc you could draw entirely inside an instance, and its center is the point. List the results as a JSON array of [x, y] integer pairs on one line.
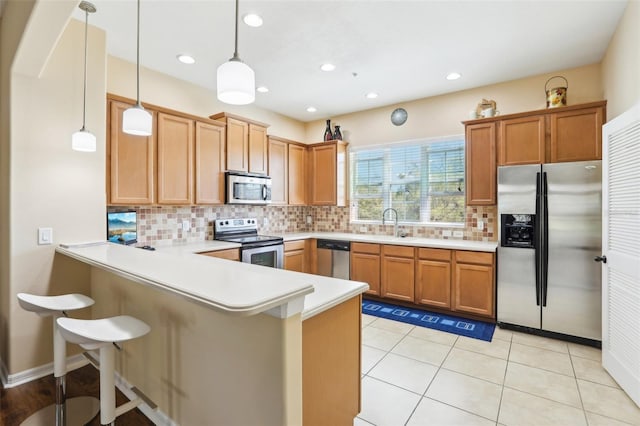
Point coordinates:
[[49, 305], [91, 334]]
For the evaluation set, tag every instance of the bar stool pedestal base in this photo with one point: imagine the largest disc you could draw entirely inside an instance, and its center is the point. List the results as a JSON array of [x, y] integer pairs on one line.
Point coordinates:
[[80, 411]]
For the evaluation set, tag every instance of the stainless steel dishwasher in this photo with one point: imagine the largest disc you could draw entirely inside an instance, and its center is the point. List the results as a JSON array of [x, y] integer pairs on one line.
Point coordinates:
[[333, 258]]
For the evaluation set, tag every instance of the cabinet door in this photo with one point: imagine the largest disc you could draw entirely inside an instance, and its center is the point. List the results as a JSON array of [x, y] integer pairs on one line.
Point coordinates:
[[132, 163], [481, 164], [576, 135], [474, 289], [398, 278], [297, 178], [278, 171], [433, 278], [175, 160], [237, 145], [229, 254], [257, 149], [522, 141], [294, 260], [365, 267], [210, 163], [323, 179]]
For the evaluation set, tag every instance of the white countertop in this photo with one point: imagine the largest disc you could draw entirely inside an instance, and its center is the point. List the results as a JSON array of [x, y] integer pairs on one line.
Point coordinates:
[[452, 244], [229, 286]]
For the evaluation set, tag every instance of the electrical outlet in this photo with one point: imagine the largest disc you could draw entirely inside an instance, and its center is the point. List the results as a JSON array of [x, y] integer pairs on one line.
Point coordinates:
[[186, 225], [458, 234], [446, 233], [480, 225], [45, 236], [309, 220], [265, 222]]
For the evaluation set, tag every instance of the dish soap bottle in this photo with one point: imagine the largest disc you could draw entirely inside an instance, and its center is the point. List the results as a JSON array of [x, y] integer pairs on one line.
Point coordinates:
[[327, 132], [337, 134]]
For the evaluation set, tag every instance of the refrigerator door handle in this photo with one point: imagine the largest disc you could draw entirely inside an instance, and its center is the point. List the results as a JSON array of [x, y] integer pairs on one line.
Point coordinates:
[[537, 244], [545, 236]]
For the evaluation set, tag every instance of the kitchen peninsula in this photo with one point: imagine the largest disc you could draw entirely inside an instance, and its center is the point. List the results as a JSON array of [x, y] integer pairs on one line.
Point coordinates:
[[231, 343]]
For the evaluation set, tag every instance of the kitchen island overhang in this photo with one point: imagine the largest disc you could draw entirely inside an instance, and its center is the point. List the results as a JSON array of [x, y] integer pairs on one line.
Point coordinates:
[[217, 354]]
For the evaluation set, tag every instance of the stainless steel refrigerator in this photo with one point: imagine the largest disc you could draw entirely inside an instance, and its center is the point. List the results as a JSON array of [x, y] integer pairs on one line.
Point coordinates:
[[549, 234]]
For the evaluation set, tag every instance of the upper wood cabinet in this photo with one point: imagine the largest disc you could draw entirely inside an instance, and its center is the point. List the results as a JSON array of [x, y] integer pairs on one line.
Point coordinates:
[[328, 174], [210, 163], [521, 141], [175, 160], [398, 272], [480, 146], [246, 143], [278, 170], [297, 175], [131, 161], [365, 265], [576, 135]]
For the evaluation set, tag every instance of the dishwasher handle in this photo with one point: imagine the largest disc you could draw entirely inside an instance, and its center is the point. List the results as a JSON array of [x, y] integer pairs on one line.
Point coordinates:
[[334, 245]]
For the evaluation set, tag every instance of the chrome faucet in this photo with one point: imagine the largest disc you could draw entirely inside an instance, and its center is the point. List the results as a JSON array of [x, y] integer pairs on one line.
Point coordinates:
[[395, 223]]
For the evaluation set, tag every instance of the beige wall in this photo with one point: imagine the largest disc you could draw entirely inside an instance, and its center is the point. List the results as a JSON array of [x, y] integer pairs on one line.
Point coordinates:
[[442, 115], [621, 64], [52, 185], [164, 90]]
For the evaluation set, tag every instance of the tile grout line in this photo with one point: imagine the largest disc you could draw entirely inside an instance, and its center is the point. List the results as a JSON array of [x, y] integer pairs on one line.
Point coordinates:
[[504, 380], [575, 378]]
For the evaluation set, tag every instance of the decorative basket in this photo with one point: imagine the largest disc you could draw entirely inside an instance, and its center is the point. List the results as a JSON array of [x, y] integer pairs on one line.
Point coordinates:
[[556, 96]]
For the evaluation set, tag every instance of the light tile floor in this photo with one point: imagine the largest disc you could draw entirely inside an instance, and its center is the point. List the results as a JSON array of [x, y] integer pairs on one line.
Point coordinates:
[[416, 376]]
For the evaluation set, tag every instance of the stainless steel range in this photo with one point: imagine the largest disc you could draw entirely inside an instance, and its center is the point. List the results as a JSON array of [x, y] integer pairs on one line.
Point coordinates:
[[257, 249]]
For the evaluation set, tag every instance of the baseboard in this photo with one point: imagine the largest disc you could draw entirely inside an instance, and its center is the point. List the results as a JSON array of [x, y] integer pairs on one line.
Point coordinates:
[[17, 379]]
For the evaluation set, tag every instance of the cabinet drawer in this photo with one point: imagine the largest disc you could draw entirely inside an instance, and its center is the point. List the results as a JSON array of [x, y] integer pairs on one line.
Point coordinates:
[[477, 257], [294, 245], [398, 251], [229, 254], [434, 254], [365, 248]]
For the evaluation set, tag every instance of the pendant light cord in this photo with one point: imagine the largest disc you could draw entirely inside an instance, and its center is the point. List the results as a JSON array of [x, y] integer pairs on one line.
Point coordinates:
[[235, 53], [84, 90], [138, 59]]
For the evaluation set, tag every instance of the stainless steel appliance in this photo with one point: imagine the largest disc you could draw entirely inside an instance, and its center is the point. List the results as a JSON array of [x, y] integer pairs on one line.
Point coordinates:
[[256, 249], [550, 233], [246, 188], [333, 258]]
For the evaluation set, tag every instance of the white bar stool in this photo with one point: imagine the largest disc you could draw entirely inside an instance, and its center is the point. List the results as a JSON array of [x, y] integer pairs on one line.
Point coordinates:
[[75, 411], [102, 334]]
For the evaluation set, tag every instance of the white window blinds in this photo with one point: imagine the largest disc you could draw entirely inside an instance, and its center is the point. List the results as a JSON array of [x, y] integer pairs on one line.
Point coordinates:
[[423, 181]]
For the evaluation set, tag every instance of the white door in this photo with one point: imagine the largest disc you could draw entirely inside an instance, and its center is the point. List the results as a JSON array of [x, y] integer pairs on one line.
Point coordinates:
[[621, 246]]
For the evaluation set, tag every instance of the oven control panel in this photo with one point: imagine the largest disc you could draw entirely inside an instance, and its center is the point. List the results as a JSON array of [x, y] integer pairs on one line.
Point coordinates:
[[246, 224]]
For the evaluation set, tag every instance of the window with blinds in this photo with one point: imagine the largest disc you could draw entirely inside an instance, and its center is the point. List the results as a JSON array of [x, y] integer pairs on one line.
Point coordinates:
[[423, 182]]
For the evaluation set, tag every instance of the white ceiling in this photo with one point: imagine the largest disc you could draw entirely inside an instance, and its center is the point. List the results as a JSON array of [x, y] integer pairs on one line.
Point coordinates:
[[400, 49]]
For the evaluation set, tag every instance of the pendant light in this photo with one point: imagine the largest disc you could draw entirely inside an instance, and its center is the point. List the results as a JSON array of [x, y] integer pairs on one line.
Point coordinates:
[[83, 140], [236, 80], [136, 120]]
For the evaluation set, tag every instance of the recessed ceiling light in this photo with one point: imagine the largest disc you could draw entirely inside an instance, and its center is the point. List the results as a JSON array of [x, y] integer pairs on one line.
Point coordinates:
[[311, 109], [186, 59], [252, 20], [262, 89], [453, 76], [327, 67], [371, 95]]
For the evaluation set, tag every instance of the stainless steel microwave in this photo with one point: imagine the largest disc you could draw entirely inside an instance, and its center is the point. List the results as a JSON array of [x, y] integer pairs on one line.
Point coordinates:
[[246, 188]]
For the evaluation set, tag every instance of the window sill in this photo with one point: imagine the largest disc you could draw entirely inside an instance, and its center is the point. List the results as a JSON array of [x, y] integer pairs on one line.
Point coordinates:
[[423, 224]]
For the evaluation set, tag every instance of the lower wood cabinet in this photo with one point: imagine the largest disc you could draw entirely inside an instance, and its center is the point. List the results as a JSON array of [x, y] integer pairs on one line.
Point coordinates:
[[295, 258], [365, 265], [398, 272], [229, 254], [433, 278], [474, 283]]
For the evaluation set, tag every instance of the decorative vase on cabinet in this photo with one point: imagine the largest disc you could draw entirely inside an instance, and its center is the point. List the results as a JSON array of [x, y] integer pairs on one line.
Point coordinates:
[[328, 135], [337, 134]]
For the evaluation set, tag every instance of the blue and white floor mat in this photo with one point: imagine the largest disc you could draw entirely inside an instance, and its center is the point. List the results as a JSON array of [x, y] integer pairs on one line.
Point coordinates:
[[461, 326]]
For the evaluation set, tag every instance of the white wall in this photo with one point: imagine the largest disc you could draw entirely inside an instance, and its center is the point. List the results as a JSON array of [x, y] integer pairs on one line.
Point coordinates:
[[52, 185], [621, 64]]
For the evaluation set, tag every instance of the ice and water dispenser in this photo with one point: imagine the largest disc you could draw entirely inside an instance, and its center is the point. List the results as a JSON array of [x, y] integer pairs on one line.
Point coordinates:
[[518, 230]]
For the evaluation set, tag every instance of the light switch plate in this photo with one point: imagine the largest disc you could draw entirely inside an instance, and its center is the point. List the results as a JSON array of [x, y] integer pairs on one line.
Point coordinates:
[[480, 225], [186, 225], [309, 219], [446, 233], [45, 236]]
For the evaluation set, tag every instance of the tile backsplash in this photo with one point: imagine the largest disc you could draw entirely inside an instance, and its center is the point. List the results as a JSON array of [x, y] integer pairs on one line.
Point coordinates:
[[160, 225]]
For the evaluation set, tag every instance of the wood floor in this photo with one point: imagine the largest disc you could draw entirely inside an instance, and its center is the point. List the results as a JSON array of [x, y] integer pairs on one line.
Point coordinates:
[[18, 403]]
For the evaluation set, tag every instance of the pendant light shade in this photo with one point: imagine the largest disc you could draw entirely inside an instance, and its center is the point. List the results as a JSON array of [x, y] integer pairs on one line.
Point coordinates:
[[136, 120], [83, 140], [236, 81]]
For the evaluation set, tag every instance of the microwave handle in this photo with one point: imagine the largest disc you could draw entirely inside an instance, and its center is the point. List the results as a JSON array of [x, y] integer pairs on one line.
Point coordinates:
[[264, 192]]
